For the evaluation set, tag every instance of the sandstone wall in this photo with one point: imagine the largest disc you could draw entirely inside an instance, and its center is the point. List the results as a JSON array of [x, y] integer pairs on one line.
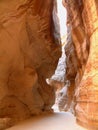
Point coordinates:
[[28, 55], [82, 59]]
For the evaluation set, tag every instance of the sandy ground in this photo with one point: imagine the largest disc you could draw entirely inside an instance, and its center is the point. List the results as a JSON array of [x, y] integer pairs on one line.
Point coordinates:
[[56, 121]]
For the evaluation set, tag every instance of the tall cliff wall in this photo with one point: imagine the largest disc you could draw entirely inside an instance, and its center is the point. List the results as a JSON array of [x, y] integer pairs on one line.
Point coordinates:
[[82, 59], [28, 55]]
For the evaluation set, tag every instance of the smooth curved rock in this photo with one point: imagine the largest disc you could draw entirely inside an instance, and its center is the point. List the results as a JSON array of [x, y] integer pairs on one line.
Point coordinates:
[[28, 55]]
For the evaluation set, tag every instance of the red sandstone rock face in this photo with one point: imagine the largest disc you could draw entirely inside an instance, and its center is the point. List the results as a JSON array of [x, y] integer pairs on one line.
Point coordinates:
[[28, 55], [83, 20]]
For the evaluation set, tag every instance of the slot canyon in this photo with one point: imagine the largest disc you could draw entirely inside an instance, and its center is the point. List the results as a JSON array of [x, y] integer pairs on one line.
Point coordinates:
[[32, 49]]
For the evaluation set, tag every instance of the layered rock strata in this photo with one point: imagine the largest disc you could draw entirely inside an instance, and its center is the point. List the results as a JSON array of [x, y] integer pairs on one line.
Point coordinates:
[[82, 59]]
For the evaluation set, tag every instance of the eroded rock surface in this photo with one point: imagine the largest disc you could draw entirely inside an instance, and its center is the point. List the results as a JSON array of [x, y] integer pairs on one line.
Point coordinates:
[[82, 59], [28, 55]]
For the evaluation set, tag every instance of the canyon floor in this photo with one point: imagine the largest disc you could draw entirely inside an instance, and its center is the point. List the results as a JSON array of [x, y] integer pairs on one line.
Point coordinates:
[[55, 121]]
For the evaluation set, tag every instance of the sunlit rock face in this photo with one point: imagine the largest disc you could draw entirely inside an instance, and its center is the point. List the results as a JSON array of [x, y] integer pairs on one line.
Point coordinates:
[[82, 59], [28, 55]]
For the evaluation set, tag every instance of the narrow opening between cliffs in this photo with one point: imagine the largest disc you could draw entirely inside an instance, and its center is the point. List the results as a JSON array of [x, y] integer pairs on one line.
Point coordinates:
[[40, 87], [58, 80]]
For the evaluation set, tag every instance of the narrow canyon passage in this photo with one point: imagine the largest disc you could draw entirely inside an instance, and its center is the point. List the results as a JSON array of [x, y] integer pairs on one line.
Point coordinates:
[[56, 121], [34, 34]]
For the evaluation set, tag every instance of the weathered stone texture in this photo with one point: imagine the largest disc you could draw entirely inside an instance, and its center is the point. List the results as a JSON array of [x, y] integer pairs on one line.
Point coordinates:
[[83, 22], [28, 55]]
